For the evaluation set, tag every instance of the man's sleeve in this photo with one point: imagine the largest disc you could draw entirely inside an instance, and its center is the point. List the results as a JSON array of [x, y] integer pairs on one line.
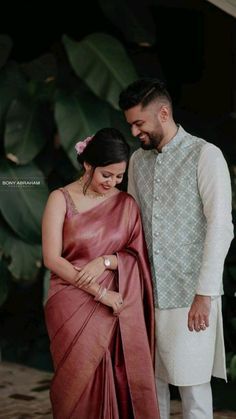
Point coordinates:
[[215, 191]]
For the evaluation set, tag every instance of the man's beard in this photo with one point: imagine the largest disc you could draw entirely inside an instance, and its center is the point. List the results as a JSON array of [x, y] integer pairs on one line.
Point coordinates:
[[153, 143]]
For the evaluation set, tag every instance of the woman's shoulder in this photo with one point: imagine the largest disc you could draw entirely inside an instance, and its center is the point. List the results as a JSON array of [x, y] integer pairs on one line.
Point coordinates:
[[57, 197], [129, 199], [57, 194]]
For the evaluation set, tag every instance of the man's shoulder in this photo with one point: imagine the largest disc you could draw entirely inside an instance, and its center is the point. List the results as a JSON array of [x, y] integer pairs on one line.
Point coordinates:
[[192, 139], [206, 148], [206, 144], [211, 150], [197, 140]]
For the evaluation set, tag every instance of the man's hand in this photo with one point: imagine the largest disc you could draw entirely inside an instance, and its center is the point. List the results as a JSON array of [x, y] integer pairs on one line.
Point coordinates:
[[198, 316]]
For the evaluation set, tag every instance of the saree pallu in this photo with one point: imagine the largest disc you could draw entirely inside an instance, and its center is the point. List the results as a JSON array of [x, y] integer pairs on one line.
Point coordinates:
[[103, 363]]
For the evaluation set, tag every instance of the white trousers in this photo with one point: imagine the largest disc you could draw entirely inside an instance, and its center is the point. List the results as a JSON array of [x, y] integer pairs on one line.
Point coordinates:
[[196, 400]]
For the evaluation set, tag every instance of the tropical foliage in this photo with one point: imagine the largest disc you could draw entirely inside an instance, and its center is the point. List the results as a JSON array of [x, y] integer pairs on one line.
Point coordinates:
[[46, 106]]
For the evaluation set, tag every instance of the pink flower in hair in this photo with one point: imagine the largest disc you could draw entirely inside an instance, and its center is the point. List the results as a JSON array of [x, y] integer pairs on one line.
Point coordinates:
[[81, 145]]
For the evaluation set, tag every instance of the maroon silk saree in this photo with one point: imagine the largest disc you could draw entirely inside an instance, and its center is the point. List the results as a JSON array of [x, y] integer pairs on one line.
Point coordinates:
[[103, 363]]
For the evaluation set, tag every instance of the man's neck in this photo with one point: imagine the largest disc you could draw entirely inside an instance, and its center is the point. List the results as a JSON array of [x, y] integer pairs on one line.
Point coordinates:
[[170, 133]]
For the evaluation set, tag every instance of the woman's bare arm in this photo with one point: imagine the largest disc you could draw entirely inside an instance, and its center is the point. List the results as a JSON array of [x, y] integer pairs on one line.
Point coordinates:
[[52, 227]]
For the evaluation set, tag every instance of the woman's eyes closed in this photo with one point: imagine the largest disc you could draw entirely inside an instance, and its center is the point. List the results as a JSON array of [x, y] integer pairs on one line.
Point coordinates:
[[119, 177]]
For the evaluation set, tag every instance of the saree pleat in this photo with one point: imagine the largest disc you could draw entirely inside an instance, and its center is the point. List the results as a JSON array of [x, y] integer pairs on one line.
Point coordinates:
[[103, 363]]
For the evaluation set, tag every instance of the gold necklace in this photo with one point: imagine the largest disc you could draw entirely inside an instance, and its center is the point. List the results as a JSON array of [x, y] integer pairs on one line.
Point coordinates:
[[89, 193]]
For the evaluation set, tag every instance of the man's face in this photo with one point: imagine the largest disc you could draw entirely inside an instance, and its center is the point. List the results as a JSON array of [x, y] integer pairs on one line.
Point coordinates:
[[145, 124]]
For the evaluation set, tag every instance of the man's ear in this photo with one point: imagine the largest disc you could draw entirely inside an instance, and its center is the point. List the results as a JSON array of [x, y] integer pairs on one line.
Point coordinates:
[[164, 113]]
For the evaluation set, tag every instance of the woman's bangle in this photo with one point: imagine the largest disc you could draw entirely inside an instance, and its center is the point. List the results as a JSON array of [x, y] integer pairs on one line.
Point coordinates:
[[100, 294], [104, 291]]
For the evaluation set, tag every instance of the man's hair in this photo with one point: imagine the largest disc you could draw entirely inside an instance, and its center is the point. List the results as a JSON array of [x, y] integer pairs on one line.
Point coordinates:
[[142, 92]]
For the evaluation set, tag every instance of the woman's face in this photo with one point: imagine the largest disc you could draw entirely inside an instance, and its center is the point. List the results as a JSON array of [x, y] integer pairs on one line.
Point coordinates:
[[107, 177]]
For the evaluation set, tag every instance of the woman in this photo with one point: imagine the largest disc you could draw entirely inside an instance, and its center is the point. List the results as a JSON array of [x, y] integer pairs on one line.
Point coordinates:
[[99, 312]]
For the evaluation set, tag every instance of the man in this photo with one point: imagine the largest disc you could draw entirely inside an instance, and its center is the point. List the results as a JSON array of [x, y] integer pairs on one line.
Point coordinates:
[[182, 185]]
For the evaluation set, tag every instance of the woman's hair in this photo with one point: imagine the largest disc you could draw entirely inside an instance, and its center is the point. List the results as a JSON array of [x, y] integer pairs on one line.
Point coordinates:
[[108, 146]]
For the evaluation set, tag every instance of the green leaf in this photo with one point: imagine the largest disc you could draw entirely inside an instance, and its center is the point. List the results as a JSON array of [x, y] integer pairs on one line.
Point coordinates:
[[25, 259], [23, 135], [102, 63], [4, 278], [41, 69], [46, 284], [12, 85], [5, 48], [21, 204], [228, 357], [78, 117], [136, 23], [232, 369]]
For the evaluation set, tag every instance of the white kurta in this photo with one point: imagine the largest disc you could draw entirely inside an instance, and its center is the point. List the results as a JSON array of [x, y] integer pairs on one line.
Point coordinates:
[[185, 358]]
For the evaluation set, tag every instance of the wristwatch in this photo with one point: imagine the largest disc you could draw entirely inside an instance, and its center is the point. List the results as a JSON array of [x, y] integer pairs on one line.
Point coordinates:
[[106, 262]]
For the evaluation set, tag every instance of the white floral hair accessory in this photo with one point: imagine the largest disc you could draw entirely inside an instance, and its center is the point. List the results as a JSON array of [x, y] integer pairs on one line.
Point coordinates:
[[81, 145]]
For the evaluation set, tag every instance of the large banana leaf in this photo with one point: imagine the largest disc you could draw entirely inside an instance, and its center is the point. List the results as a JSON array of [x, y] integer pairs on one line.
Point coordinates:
[[5, 48], [82, 115], [12, 84], [101, 61], [42, 69], [24, 137], [22, 205], [25, 259], [46, 284], [77, 117], [134, 19]]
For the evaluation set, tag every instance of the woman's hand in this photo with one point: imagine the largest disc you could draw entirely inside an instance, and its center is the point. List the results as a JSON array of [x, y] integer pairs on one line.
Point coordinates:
[[114, 300], [89, 273]]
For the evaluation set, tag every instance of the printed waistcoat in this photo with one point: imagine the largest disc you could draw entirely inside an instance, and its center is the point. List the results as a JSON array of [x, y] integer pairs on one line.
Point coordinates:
[[173, 219]]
